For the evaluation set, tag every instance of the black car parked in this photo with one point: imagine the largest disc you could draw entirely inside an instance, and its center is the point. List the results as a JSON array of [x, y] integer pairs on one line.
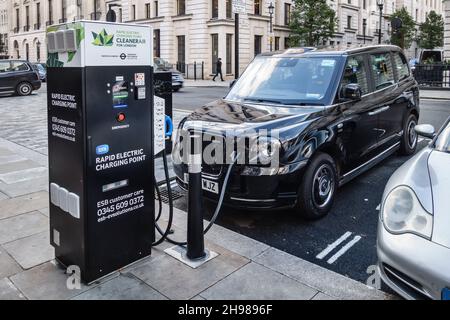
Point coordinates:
[[19, 77], [336, 114]]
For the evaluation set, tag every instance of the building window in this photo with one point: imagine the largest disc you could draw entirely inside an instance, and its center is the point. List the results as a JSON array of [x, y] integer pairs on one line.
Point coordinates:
[[120, 15], [286, 42], [38, 51], [229, 9], [38, 15], [50, 12], [257, 7], [17, 20], [349, 22], [181, 46], [133, 12], [258, 45], [277, 43], [27, 52], [157, 43], [215, 9], [156, 9], [181, 7], [287, 13], [229, 56], [214, 51], [147, 11], [63, 11], [27, 18]]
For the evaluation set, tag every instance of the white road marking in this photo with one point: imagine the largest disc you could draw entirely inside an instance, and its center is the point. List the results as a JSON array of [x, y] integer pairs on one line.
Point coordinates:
[[332, 246], [344, 249], [379, 207], [182, 110]]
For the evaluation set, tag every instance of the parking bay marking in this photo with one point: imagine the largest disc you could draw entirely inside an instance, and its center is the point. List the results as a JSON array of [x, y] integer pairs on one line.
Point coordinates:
[[332, 246], [335, 244], [344, 249]]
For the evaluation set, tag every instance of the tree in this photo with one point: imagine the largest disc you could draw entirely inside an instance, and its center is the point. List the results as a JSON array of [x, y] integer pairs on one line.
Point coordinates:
[[312, 22], [432, 31], [404, 36]]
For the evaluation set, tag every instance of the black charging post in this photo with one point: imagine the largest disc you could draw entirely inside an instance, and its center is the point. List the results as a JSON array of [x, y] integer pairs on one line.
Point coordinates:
[[195, 236]]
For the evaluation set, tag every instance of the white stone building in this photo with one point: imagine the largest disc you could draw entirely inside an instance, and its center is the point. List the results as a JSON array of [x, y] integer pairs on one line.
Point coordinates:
[[188, 31], [4, 29], [28, 20]]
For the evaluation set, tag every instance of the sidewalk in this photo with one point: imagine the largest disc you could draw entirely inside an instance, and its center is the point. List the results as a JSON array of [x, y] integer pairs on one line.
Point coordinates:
[[206, 83], [244, 269], [435, 94]]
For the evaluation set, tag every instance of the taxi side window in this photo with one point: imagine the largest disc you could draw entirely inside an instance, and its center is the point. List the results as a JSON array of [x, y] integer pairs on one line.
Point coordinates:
[[355, 72], [382, 70], [402, 66]]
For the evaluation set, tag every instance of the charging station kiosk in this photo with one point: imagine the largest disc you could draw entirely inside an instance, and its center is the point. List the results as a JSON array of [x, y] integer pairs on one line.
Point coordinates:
[[101, 147]]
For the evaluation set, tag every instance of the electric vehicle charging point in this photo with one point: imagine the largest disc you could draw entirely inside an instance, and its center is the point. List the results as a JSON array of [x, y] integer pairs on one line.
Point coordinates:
[[194, 253], [101, 145]]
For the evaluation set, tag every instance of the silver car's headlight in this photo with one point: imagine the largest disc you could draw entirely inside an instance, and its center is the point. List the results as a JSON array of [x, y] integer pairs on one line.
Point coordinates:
[[403, 213]]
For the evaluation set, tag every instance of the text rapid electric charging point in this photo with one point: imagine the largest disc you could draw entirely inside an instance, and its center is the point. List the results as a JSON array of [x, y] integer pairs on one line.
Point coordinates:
[[100, 145]]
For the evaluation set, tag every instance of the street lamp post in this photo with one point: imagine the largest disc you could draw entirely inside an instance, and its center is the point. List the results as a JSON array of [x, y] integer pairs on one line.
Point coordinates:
[[271, 8], [380, 4]]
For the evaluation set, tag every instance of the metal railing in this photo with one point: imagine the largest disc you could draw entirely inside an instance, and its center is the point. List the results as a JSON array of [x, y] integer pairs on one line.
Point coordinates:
[[26, 28], [37, 26], [433, 76], [49, 23], [194, 70]]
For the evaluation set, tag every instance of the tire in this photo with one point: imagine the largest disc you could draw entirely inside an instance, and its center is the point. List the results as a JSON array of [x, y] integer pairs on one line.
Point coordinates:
[[321, 173], [410, 138], [24, 89]]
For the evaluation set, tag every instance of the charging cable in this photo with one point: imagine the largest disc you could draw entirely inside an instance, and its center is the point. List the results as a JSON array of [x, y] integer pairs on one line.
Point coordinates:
[[165, 234]]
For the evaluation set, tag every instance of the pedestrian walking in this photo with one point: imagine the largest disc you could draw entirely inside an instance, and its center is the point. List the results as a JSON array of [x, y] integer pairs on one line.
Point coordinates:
[[218, 70]]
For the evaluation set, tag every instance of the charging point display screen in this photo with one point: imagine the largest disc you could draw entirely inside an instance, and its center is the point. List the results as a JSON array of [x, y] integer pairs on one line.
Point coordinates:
[[120, 94]]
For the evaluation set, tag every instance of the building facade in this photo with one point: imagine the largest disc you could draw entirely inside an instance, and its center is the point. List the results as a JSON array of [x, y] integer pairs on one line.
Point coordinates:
[[201, 31], [28, 20], [4, 29], [359, 20]]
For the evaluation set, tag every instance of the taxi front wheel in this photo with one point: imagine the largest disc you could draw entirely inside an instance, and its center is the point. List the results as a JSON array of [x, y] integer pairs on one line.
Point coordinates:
[[318, 188]]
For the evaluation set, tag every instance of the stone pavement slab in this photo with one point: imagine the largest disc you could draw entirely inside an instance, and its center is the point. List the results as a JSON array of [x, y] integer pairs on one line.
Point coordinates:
[[23, 204], [8, 291], [22, 226], [45, 282], [177, 281], [25, 187], [123, 287], [11, 158], [324, 280], [17, 166], [8, 266], [322, 296], [3, 196], [31, 251], [254, 281], [24, 175]]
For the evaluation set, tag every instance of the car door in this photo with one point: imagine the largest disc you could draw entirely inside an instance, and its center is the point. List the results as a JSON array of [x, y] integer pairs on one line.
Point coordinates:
[[358, 133], [5, 67], [388, 98]]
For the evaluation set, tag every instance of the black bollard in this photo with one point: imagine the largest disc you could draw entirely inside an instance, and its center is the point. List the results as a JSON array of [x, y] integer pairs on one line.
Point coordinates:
[[195, 236]]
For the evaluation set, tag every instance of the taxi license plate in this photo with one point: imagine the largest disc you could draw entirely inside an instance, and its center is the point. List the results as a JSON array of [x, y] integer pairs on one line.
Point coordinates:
[[210, 186]]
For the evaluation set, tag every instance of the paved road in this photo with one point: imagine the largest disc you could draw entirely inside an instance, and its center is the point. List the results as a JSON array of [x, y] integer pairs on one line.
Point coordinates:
[[353, 218], [190, 98]]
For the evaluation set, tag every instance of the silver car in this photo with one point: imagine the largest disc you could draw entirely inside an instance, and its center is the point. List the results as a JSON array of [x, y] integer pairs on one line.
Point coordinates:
[[414, 229]]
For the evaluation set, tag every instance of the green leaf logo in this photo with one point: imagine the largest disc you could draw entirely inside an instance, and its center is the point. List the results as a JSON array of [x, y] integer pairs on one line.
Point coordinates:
[[103, 39]]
